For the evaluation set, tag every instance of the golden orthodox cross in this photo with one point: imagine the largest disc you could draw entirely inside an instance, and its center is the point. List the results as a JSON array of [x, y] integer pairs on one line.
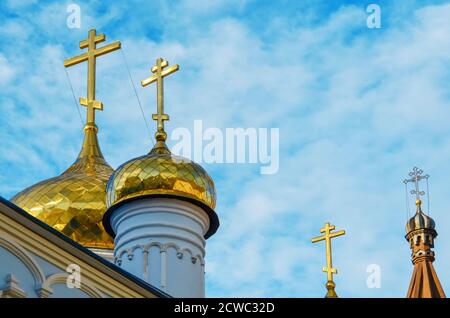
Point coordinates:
[[327, 238], [159, 73], [90, 56]]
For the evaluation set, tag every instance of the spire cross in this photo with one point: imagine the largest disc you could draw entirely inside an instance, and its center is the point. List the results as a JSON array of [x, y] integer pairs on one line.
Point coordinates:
[[327, 238], [90, 56], [160, 73], [416, 176]]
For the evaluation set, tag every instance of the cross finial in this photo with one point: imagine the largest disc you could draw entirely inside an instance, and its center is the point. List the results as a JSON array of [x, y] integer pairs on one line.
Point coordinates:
[[159, 73], [416, 176], [90, 56], [329, 269]]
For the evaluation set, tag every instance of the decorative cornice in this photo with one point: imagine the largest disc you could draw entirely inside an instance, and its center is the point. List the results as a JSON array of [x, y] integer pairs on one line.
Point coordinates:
[[159, 235], [129, 252]]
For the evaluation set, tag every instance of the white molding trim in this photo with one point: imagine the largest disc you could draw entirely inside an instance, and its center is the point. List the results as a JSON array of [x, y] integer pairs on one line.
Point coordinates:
[[61, 278], [12, 246], [162, 248], [159, 235]]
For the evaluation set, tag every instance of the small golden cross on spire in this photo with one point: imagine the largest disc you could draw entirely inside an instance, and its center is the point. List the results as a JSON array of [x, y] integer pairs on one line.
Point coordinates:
[[329, 268], [90, 56], [160, 73]]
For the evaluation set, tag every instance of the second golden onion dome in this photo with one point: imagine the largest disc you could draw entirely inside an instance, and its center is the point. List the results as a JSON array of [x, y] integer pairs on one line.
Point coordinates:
[[74, 202]]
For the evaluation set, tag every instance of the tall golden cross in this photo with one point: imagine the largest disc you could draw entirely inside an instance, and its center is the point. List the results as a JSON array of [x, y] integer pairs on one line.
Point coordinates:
[[90, 56], [160, 72], [329, 269]]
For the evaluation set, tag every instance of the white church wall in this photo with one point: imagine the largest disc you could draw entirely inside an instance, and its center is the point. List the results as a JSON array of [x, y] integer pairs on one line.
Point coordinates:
[[186, 269], [154, 265], [162, 241]]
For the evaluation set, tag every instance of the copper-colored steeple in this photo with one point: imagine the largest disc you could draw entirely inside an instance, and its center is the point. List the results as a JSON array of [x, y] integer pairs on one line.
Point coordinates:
[[420, 233]]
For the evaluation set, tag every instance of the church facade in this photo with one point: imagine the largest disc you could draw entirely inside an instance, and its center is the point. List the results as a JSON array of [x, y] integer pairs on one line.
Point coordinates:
[[37, 261], [140, 230]]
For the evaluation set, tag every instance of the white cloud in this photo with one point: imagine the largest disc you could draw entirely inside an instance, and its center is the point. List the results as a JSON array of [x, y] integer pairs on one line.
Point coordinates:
[[7, 71], [20, 4]]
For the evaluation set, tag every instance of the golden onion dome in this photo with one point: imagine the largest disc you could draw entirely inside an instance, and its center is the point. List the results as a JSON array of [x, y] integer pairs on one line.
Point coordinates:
[[74, 202], [162, 174]]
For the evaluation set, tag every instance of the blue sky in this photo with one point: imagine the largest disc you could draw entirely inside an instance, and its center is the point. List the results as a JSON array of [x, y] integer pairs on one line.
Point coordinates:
[[357, 108]]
